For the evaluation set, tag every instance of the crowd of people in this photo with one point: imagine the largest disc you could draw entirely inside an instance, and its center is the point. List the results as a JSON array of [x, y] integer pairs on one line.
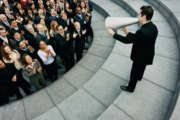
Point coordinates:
[[33, 34]]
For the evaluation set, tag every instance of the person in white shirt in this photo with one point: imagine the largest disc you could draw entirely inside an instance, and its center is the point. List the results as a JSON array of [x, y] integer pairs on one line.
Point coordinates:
[[48, 57]]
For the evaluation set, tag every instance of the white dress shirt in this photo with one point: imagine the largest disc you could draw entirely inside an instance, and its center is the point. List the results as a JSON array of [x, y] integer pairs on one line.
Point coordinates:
[[5, 39], [43, 56]]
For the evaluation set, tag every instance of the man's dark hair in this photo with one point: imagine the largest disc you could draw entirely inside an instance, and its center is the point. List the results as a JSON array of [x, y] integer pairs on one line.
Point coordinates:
[[147, 11], [12, 20]]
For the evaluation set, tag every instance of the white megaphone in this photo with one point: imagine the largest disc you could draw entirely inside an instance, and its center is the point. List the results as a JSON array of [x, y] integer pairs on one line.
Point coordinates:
[[119, 22]]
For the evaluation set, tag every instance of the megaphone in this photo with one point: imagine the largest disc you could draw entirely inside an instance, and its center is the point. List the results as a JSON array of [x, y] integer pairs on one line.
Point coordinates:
[[119, 22]]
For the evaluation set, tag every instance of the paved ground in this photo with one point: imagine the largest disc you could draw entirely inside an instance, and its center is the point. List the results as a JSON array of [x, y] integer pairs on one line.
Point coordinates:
[[153, 94]]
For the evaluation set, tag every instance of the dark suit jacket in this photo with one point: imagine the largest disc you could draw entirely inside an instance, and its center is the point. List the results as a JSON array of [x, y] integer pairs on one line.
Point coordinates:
[[79, 19], [52, 18], [3, 24], [7, 74], [15, 43], [1, 41], [143, 41], [63, 23], [40, 37], [31, 39], [79, 41], [60, 44]]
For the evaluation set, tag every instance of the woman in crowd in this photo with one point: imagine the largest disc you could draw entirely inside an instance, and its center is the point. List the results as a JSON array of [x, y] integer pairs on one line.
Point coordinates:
[[52, 31], [43, 23], [33, 70], [11, 56]]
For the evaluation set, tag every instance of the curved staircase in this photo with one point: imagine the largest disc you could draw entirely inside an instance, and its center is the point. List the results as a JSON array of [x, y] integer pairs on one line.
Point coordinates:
[[90, 90]]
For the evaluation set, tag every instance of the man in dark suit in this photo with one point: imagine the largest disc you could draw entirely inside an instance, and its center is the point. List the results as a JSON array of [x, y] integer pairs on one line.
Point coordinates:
[[143, 49], [4, 39], [63, 48], [79, 17], [78, 36], [4, 21], [53, 17], [60, 42], [42, 34], [31, 35]]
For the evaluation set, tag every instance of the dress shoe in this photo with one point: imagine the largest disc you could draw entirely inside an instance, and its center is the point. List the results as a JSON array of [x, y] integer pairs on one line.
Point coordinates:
[[125, 88]]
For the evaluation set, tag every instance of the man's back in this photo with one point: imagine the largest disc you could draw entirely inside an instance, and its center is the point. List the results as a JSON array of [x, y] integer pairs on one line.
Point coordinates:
[[144, 44]]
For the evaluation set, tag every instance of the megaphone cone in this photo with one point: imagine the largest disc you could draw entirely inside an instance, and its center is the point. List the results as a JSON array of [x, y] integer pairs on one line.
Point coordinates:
[[119, 22]]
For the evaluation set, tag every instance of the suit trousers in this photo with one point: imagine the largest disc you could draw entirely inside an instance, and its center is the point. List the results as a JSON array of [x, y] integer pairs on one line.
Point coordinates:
[[51, 71], [137, 73]]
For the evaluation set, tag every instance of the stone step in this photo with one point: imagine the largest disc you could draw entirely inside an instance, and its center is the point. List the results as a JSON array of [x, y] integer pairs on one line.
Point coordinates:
[[154, 93], [174, 107], [149, 102], [100, 91]]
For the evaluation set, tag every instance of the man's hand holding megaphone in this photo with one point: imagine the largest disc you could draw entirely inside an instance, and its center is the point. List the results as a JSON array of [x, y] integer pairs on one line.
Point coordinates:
[[112, 32], [114, 23]]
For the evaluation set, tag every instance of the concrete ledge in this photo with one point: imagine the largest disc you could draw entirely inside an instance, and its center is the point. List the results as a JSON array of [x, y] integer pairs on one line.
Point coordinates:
[[126, 7], [175, 25], [100, 10]]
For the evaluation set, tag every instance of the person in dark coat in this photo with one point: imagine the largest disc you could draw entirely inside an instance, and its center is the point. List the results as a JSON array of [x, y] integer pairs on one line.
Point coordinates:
[[143, 49], [42, 34], [4, 21], [31, 35], [24, 48], [17, 38], [4, 38], [53, 16], [39, 16], [8, 74], [15, 27], [63, 49], [79, 17], [64, 21], [78, 36]]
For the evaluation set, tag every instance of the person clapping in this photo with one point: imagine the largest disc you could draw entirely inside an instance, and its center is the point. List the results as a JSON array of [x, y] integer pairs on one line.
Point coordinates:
[[48, 57]]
